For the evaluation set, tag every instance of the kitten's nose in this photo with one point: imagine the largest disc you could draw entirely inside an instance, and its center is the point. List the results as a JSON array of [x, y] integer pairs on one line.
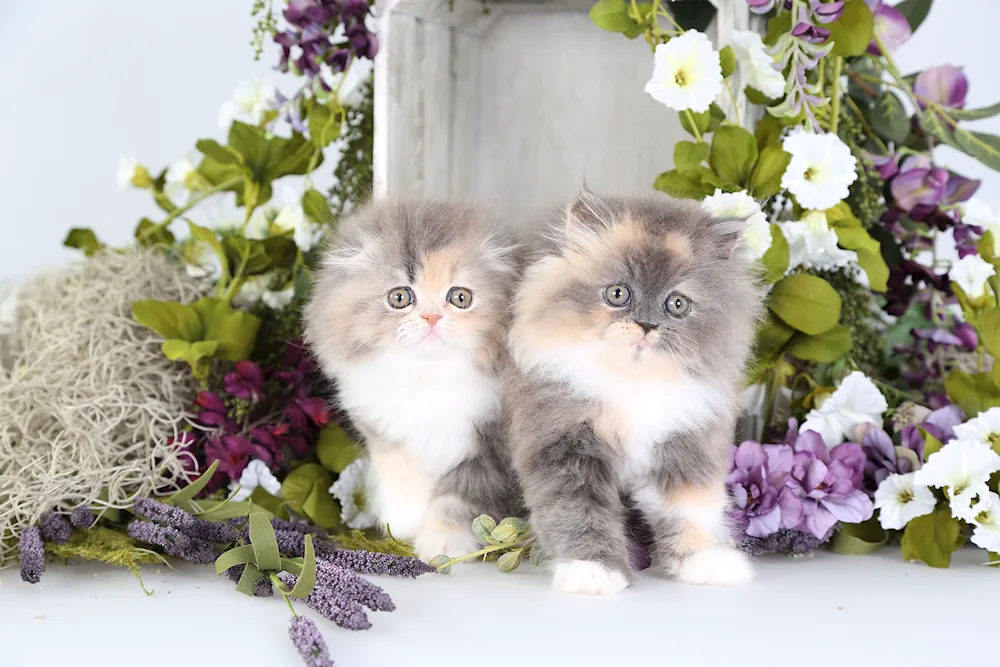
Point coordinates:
[[431, 318], [647, 327]]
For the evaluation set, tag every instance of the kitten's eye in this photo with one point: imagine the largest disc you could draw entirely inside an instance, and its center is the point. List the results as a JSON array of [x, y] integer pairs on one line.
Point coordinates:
[[618, 295], [400, 297], [678, 305], [460, 297]]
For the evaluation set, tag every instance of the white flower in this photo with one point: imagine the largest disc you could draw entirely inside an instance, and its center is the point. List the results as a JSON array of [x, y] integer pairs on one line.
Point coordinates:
[[256, 474], [258, 228], [201, 260], [251, 101], [899, 501], [757, 234], [971, 273], [986, 519], [812, 244], [944, 255], [252, 291], [292, 218], [979, 213], [687, 73], [128, 168], [856, 401], [984, 426], [820, 171], [351, 490], [755, 65], [963, 505], [177, 180], [962, 467], [278, 300]]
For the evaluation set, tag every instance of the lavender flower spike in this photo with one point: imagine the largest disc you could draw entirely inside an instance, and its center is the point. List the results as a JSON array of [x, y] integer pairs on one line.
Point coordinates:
[[172, 541], [333, 605], [310, 644], [31, 553], [370, 562], [343, 581], [82, 517], [262, 589], [177, 518], [55, 528]]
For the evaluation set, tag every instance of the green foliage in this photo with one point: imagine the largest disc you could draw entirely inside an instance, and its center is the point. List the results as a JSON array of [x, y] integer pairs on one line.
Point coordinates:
[[775, 260], [859, 538], [932, 538], [316, 207], [611, 15], [306, 489], [765, 179], [336, 449], [975, 114], [508, 541], [806, 303], [109, 546], [83, 239], [826, 347], [852, 32], [370, 540], [974, 393], [704, 121], [353, 177], [733, 154], [727, 58], [889, 119], [915, 11], [262, 558], [689, 155]]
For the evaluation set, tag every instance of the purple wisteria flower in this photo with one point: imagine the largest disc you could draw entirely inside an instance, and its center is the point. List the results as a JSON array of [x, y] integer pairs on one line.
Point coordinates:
[[31, 554], [810, 33], [826, 12], [919, 182], [945, 85], [309, 642], [761, 6], [960, 189], [246, 382], [82, 517], [55, 527], [172, 541], [887, 165], [312, 28], [891, 27]]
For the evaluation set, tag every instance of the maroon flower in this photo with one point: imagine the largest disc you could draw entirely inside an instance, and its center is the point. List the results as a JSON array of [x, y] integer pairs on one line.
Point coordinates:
[[246, 382], [303, 409], [212, 413], [232, 452]]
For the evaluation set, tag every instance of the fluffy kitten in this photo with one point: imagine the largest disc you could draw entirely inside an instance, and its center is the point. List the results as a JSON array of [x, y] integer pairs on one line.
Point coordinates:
[[409, 317], [630, 334]]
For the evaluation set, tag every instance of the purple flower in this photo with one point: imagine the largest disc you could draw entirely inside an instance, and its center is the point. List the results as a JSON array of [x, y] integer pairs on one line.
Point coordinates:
[[303, 409], [891, 27], [942, 422], [262, 589], [945, 85], [82, 517], [309, 642], [379, 564], [55, 528], [761, 6], [246, 382], [829, 484], [177, 518], [785, 541], [757, 481], [212, 413], [827, 12], [172, 541], [960, 189], [919, 182], [333, 605], [300, 527], [887, 165], [31, 554], [810, 33], [345, 582], [233, 453], [313, 24]]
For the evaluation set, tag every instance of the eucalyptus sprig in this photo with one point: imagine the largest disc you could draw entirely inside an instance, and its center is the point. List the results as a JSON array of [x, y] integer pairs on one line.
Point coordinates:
[[511, 540]]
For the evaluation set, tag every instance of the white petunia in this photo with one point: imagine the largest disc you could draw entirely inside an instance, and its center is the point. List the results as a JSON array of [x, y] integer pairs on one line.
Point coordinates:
[[943, 256], [755, 65], [292, 218], [821, 170], [687, 73], [250, 103], [757, 234], [971, 273], [979, 213], [986, 520], [201, 261], [351, 490], [856, 401], [985, 426], [177, 180], [256, 474], [899, 501], [962, 467], [813, 244], [963, 505], [256, 289]]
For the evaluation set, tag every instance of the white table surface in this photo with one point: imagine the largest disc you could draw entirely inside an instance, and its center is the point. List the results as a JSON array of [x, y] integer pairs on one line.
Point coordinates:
[[822, 610]]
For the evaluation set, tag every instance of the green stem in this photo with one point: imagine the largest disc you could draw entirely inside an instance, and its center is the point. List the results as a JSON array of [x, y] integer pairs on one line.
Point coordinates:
[[177, 212], [246, 218], [868, 128], [487, 550], [694, 125], [736, 106], [838, 63], [900, 81]]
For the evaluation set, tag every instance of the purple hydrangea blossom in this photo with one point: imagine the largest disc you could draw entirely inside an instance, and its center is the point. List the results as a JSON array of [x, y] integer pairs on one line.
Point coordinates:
[[173, 541], [82, 517], [31, 554], [309, 642], [246, 382], [55, 528]]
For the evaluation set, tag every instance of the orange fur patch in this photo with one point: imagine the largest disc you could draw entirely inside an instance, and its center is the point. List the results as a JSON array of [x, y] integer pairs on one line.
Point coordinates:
[[696, 497], [437, 271], [692, 538], [679, 245]]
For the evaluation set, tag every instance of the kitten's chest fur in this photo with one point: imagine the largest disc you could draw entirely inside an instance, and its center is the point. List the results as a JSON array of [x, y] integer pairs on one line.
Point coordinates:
[[429, 406]]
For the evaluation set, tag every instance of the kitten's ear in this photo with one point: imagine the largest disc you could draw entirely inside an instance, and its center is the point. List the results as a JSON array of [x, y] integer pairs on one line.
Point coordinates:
[[587, 213], [727, 236]]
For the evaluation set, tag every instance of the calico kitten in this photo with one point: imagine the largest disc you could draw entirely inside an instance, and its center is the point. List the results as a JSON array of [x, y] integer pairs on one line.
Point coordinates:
[[408, 317], [630, 334]]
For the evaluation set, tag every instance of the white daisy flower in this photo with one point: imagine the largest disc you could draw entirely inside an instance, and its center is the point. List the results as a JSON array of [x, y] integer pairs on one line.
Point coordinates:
[[985, 426], [250, 102], [687, 73], [755, 65], [821, 169], [177, 181], [856, 401], [757, 234], [971, 273], [899, 501], [962, 468], [986, 520], [256, 474], [813, 244], [351, 489]]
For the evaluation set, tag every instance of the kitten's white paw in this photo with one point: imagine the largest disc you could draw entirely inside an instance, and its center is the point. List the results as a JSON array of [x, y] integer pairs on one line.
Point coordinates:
[[451, 543], [584, 576], [716, 567]]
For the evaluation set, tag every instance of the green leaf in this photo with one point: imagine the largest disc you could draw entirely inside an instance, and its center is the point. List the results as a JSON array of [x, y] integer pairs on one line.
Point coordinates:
[[765, 179], [184, 496], [875, 267], [208, 237], [440, 562], [321, 508], [777, 26], [504, 533], [281, 250], [733, 153], [989, 332], [236, 556], [307, 578], [864, 91], [520, 525], [728, 59], [688, 155], [169, 319], [775, 260], [323, 125], [984, 147], [227, 509], [611, 15], [889, 119], [248, 256], [826, 347], [148, 238], [931, 444], [219, 153], [336, 449], [267, 558], [859, 538], [975, 114], [248, 580], [272, 504], [235, 331], [682, 184], [931, 538], [932, 123], [692, 15], [973, 393], [299, 482], [915, 11], [317, 207], [852, 32], [772, 336], [757, 97], [701, 121], [716, 116], [482, 526], [510, 561], [807, 303], [293, 157], [83, 239], [856, 238], [768, 132], [176, 349]]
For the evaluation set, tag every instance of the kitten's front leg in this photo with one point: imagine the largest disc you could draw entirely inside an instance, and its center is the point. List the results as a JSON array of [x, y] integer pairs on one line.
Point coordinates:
[[571, 489], [401, 491]]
